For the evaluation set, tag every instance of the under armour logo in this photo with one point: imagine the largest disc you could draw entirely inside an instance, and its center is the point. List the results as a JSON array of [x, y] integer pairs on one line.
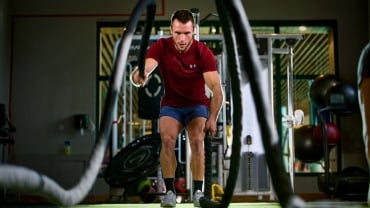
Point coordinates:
[[191, 66]]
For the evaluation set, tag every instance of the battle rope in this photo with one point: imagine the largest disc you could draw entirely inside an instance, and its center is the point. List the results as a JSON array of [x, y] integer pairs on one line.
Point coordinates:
[[253, 69], [27, 180], [208, 165], [145, 39], [234, 71]]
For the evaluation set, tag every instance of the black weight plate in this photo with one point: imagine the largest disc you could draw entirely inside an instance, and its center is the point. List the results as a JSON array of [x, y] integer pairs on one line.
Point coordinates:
[[137, 160]]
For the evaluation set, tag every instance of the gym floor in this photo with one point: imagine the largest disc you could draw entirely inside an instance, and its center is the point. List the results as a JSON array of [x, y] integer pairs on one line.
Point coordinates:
[[133, 202], [314, 204]]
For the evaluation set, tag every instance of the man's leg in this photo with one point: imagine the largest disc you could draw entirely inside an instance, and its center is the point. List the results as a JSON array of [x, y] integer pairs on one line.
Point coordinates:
[[169, 129], [196, 134]]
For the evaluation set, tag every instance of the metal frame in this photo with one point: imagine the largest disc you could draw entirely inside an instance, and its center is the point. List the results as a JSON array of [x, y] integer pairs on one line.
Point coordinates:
[[290, 40]]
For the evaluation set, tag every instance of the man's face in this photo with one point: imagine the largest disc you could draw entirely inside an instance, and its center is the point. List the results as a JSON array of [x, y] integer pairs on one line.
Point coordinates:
[[182, 34]]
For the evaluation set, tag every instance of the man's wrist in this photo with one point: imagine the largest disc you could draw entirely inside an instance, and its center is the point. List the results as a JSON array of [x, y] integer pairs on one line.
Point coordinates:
[[131, 78]]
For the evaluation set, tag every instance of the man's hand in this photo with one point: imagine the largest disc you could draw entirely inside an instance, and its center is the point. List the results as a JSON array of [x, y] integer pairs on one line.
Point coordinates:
[[211, 126], [136, 79]]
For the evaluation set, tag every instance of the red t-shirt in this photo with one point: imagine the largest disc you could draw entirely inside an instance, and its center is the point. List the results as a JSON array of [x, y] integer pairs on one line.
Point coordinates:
[[182, 73]]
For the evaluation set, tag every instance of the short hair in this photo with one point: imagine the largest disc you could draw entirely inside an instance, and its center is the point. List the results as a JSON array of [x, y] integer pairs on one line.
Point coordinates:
[[183, 15]]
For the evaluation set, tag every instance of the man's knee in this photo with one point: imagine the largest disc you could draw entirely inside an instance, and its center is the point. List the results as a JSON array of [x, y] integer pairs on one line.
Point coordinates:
[[168, 142]]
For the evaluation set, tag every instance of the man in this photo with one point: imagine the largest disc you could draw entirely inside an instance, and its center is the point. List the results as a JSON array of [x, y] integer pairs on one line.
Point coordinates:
[[186, 66], [363, 80]]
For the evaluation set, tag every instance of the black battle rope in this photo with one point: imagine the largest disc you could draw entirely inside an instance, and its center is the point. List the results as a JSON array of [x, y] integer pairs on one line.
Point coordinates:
[[208, 165], [145, 39], [253, 69], [29, 181], [270, 138], [233, 65]]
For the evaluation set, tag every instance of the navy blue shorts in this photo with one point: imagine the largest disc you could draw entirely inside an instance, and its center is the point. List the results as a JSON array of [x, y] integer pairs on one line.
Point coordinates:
[[186, 114]]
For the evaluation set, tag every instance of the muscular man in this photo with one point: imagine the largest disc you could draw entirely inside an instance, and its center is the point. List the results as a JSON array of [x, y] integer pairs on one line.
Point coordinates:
[[186, 67]]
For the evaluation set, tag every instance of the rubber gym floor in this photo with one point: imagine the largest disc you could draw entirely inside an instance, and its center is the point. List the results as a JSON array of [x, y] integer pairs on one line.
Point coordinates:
[[315, 204]]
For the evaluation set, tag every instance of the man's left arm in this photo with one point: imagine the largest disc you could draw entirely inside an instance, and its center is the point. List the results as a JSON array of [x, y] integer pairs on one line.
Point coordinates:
[[213, 82]]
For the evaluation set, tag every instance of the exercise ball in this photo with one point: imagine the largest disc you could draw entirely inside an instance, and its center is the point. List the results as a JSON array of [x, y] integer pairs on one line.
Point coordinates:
[[342, 98], [306, 149], [146, 191], [332, 132], [320, 86], [180, 185]]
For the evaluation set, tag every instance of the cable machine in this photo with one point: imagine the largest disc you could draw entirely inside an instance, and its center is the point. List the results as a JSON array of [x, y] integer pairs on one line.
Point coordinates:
[[290, 119]]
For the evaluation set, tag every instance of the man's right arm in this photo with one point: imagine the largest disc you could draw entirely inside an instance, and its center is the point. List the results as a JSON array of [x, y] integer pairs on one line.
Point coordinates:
[[136, 79]]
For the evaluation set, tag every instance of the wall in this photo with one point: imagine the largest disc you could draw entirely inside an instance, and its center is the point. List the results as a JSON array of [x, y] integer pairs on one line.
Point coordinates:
[[4, 51], [54, 64]]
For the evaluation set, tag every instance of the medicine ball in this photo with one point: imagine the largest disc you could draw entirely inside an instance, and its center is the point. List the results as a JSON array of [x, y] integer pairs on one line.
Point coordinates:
[[343, 98], [332, 133], [146, 191], [180, 185], [320, 87], [306, 149]]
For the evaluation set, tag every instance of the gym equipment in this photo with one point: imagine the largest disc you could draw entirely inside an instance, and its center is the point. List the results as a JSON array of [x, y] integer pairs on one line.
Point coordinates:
[[351, 184], [342, 98], [6, 130], [333, 134], [136, 161], [217, 192], [195, 12], [150, 96], [290, 42], [6, 126], [306, 149], [331, 95], [180, 185], [208, 165], [320, 86], [145, 188]]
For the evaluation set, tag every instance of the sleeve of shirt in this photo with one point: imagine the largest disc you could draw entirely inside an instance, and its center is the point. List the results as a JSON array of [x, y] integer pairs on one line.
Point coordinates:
[[208, 59]]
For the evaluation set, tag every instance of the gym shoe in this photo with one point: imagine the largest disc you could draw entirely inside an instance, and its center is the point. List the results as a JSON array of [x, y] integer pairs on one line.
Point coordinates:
[[197, 195], [169, 200]]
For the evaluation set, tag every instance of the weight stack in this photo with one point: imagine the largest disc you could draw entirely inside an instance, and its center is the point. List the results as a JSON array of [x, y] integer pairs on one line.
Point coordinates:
[[254, 175]]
